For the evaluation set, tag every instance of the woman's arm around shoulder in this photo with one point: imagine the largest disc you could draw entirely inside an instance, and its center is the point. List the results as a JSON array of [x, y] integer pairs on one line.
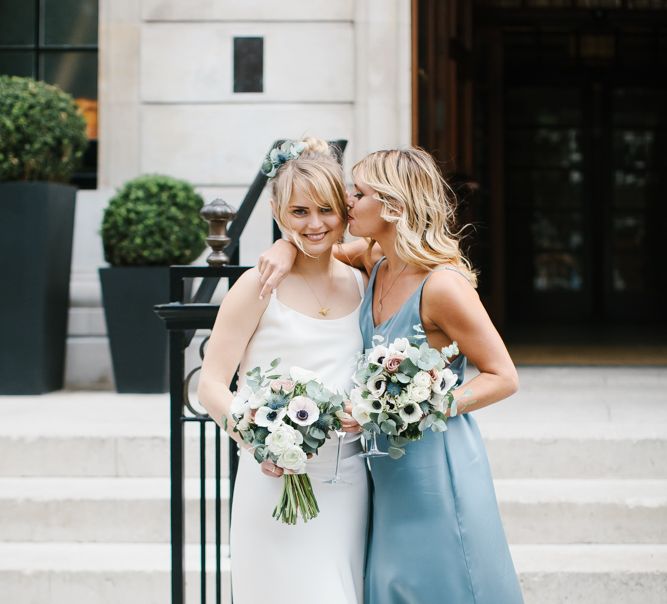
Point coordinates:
[[238, 317], [356, 254], [452, 306]]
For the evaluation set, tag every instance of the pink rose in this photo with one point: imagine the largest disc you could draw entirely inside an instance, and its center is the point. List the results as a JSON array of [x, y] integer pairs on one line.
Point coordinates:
[[286, 385], [392, 361]]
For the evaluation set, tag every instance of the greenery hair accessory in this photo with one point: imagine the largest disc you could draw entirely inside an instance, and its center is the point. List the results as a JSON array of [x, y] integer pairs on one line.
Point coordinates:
[[280, 155]]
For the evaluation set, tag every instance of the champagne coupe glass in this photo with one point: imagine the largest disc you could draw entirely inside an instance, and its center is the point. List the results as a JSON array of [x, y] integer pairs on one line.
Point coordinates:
[[341, 434], [373, 450]]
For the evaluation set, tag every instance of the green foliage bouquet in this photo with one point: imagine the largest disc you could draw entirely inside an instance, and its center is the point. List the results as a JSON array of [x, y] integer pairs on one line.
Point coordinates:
[[153, 221], [42, 132], [285, 419], [403, 389]]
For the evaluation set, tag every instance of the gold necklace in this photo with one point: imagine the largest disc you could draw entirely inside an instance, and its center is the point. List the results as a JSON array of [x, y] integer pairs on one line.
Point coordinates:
[[324, 310], [384, 294]]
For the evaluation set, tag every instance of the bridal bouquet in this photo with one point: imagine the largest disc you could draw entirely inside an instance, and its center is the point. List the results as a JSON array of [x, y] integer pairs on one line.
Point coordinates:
[[285, 419], [403, 389]]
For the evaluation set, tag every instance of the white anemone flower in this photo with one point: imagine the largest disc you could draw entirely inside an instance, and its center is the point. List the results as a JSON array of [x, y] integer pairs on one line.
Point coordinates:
[[377, 385], [377, 354], [447, 380], [267, 417], [411, 413], [399, 345], [240, 401], [303, 411]]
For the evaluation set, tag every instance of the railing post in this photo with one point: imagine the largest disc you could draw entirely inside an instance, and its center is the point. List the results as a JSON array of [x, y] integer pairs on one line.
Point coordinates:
[[176, 369]]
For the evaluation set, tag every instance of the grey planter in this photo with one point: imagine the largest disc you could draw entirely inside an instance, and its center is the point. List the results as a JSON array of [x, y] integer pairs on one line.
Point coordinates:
[[36, 229], [137, 336]]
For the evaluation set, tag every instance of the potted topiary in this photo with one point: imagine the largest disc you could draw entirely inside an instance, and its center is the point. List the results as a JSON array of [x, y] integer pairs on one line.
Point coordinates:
[[152, 222], [42, 140]]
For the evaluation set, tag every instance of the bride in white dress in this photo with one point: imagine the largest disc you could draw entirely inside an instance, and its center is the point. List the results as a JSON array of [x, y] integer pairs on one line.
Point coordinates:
[[311, 321]]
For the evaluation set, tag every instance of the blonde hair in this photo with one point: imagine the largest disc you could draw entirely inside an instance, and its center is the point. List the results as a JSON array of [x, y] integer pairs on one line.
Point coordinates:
[[319, 174], [416, 198]]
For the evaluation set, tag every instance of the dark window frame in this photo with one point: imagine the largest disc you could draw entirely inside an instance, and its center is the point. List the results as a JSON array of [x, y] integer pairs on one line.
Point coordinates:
[[86, 178]]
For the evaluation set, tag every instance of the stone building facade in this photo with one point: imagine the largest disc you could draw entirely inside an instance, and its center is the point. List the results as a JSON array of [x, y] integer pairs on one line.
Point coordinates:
[[167, 105]]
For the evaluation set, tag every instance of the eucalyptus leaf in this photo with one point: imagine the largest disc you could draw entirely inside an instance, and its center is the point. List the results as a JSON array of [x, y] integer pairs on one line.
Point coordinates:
[[396, 452]]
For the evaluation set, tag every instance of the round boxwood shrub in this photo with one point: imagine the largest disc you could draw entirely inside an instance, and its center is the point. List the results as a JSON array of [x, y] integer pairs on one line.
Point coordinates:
[[42, 132], [154, 220]]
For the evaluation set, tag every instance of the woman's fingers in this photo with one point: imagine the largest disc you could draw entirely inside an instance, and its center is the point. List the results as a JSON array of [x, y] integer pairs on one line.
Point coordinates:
[[350, 425], [271, 469]]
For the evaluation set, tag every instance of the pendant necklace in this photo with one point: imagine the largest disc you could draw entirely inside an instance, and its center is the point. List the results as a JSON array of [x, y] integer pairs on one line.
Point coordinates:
[[324, 310], [384, 294]]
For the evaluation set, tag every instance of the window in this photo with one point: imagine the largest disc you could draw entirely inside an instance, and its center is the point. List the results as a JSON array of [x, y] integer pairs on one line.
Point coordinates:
[[56, 41]]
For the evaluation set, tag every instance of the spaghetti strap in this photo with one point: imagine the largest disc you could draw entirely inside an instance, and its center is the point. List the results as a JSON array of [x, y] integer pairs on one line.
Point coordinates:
[[360, 281], [374, 271], [452, 268]]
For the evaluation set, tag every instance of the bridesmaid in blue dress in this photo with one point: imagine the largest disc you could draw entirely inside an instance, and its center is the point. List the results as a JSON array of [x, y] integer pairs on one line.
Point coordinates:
[[437, 536]]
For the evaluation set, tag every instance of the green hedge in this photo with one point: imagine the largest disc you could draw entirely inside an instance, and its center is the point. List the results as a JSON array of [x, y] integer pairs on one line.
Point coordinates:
[[42, 132], [154, 220]]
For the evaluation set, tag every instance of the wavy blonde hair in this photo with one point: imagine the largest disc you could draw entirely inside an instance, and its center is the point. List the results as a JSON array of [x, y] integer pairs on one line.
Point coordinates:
[[418, 200], [317, 172]]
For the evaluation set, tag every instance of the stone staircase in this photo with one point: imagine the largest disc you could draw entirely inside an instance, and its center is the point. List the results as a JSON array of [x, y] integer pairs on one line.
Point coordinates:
[[578, 456]]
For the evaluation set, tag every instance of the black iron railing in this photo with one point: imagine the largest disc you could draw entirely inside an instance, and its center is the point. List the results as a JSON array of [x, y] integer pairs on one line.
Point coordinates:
[[183, 318]]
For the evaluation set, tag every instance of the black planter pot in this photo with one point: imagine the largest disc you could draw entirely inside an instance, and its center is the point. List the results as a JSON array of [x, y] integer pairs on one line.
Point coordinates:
[[36, 228], [137, 335]]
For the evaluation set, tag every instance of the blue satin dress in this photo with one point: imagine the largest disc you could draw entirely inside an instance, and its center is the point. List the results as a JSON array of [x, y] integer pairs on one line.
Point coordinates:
[[436, 535]]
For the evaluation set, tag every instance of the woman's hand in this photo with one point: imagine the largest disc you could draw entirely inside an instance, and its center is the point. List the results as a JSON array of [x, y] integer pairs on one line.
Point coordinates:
[[348, 423], [271, 469], [274, 265]]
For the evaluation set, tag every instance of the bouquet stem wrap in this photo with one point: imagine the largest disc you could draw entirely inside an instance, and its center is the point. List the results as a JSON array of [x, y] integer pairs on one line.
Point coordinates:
[[297, 497]]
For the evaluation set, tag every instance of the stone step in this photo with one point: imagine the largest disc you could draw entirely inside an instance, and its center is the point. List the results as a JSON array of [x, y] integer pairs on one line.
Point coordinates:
[[67, 573], [516, 451], [583, 511], [592, 574], [115, 510], [84, 573], [96, 434], [93, 455], [138, 510], [576, 450]]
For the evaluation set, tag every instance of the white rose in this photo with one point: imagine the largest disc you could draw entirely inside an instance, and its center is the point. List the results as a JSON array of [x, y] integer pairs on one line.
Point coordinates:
[[266, 417], [423, 379], [303, 411], [293, 458], [283, 437], [377, 385], [418, 393], [361, 413], [299, 374]]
